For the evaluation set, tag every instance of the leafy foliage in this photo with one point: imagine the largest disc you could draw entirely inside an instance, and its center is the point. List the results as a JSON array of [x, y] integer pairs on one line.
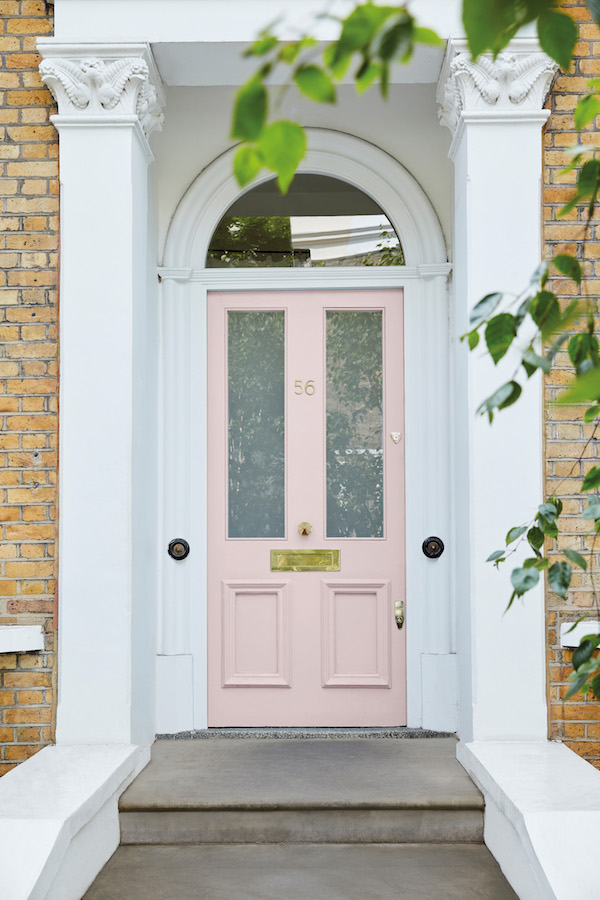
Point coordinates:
[[530, 328]]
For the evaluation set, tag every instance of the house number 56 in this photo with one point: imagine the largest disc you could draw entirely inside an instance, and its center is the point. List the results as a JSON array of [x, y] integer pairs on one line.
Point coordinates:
[[304, 387]]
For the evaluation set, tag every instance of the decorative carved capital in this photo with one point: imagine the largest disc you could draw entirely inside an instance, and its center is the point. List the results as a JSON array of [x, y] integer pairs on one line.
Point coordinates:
[[519, 80], [93, 86]]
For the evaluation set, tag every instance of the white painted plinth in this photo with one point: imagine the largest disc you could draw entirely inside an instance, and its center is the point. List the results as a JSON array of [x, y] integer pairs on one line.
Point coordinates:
[[542, 816]]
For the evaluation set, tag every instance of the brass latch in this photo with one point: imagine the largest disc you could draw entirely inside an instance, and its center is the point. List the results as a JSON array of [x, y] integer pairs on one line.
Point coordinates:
[[399, 613]]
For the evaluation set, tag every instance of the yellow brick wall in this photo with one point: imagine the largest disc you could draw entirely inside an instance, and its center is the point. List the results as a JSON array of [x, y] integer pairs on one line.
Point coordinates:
[[576, 721], [28, 376]]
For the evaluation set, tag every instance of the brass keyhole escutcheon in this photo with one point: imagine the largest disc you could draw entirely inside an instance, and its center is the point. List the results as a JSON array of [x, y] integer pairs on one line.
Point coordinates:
[[304, 528]]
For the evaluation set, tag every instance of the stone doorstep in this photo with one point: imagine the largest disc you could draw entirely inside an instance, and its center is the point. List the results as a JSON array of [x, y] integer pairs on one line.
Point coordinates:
[[302, 872], [345, 791]]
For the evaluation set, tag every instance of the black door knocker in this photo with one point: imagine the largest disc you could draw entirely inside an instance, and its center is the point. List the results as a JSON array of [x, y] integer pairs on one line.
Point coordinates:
[[433, 547], [179, 549]]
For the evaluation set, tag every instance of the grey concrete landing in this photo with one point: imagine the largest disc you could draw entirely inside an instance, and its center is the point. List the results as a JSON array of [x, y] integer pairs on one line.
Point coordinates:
[[311, 791], [302, 872]]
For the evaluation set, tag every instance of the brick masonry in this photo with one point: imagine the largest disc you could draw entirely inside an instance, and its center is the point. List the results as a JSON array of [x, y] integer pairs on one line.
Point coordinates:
[[577, 721], [28, 376]]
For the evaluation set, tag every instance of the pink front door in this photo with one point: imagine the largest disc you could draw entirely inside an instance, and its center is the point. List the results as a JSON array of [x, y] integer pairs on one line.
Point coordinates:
[[305, 411]]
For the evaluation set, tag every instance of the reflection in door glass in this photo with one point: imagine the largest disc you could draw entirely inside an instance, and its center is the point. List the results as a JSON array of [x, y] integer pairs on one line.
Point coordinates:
[[256, 423], [354, 423]]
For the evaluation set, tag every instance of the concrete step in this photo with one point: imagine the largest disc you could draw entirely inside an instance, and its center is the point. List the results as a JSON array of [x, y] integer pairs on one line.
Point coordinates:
[[302, 872], [313, 791]]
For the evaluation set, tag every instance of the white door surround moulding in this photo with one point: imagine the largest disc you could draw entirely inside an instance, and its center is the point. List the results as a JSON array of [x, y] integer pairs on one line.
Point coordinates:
[[495, 112], [280, 279], [182, 646]]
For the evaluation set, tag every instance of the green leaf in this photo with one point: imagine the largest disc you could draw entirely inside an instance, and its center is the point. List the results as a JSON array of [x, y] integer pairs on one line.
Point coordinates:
[[524, 579], [491, 25], [484, 308], [262, 46], [596, 686], [557, 503], [578, 683], [586, 110], [535, 362], [550, 529], [583, 346], [367, 76], [592, 510], [535, 536], [335, 61], [531, 562], [250, 111], [576, 558], [585, 651], [395, 40], [427, 36], [588, 178], [542, 563], [473, 339], [558, 35], [548, 511], [289, 53], [559, 578], [247, 163], [505, 396], [594, 8], [499, 335], [515, 393], [497, 554], [282, 145], [590, 414], [515, 533], [592, 479], [315, 83], [569, 266], [585, 389], [545, 312], [359, 28]]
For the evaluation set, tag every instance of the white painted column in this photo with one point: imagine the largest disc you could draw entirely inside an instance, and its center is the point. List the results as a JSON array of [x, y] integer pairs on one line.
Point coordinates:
[[108, 103], [495, 112]]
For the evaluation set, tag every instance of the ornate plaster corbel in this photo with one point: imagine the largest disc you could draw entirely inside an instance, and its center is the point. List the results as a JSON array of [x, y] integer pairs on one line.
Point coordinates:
[[94, 86], [514, 80]]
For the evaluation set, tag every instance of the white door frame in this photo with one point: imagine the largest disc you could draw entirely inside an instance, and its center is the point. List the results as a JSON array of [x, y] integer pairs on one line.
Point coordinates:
[[182, 634]]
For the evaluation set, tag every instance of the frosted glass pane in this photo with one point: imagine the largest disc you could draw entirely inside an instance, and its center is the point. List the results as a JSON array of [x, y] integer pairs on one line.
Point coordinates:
[[354, 423], [256, 424]]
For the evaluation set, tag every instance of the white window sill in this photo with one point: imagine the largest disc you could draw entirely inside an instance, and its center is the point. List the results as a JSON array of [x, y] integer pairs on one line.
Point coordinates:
[[19, 638]]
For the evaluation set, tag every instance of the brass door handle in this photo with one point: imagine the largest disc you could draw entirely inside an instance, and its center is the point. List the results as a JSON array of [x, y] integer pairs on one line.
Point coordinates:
[[399, 613], [304, 528]]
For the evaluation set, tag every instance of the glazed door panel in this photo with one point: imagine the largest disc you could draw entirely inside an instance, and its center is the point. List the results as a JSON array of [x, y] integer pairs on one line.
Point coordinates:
[[305, 393]]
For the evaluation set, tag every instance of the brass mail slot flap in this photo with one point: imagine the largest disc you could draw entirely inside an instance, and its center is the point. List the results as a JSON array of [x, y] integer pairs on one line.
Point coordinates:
[[305, 560]]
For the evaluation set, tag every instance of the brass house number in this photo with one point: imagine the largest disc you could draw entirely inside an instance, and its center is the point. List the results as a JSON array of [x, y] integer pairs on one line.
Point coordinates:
[[304, 387]]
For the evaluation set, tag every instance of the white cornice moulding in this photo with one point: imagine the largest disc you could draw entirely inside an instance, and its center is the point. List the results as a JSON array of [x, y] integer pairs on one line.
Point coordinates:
[[95, 82], [20, 638], [301, 278], [511, 88]]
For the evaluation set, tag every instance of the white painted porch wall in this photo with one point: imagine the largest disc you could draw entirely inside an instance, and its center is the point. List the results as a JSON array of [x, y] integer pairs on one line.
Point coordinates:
[[197, 123]]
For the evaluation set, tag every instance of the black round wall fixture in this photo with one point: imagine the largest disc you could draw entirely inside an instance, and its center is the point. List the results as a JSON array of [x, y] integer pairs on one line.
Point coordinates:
[[179, 549], [433, 547]]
